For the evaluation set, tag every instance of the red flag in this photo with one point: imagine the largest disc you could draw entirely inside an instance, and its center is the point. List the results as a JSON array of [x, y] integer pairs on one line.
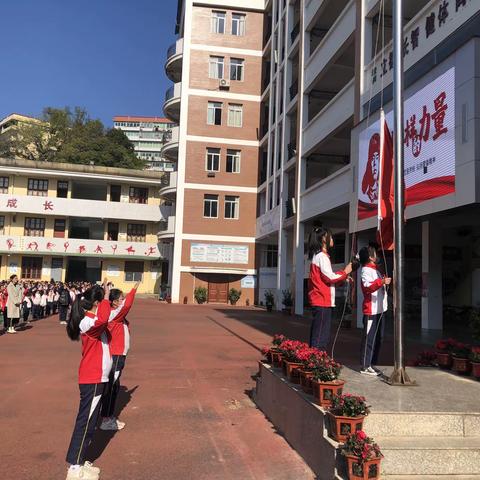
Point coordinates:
[[385, 188]]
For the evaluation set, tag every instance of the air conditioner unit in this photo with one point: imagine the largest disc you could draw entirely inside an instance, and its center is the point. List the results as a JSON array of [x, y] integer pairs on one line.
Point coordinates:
[[224, 83], [211, 174]]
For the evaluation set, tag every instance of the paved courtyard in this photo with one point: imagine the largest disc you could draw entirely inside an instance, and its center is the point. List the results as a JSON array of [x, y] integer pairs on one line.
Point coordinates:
[[185, 399]]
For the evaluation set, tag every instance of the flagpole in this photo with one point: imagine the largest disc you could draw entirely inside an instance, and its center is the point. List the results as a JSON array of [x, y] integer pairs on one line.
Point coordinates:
[[399, 375]]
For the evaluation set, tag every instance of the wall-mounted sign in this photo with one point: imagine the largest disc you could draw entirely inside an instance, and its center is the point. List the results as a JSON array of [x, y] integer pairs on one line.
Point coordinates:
[[113, 271], [13, 268], [249, 281], [429, 146], [216, 253]]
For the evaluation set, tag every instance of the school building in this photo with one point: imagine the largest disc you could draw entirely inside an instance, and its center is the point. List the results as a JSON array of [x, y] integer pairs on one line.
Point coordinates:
[[78, 222]]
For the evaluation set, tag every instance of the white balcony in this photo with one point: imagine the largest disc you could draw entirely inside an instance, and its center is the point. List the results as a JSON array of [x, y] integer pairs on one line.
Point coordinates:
[[330, 193], [72, 207], [168, 190], [74, 247], [333, 115], [170, 147], [268, 223], [171, 107], [173, 65], [167, 230], [312, 8], [337, 35]]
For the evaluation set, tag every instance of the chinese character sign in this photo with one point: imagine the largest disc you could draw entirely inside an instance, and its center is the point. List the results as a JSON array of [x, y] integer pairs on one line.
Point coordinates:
[[429, 147]]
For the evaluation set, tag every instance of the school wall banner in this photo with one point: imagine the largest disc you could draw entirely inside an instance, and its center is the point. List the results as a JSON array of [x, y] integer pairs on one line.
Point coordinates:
[[429, 147]]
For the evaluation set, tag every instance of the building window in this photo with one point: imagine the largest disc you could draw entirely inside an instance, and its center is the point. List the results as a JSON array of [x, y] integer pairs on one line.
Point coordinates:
[[133, 271], [62, 189], [233, 161], [4, 184], [235, 115], [2, 224], [115, 193], [238, 24], [136, 232], [34, 227], [270, 256], [213, 160], [232, 206], [210, 206], [216, 66], [112, 232], [59, 228], [37, 187], [214, 114], [218, 22], [236, 69], [32, 268], [138, 195]]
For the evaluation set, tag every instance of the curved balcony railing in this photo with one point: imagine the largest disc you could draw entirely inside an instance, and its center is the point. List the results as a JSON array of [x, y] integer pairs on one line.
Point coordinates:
[[170, 93]]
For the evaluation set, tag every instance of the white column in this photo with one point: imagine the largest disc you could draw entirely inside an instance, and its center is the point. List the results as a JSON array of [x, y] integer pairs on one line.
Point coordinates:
[[432, 299], [282, 263], [299, 268]]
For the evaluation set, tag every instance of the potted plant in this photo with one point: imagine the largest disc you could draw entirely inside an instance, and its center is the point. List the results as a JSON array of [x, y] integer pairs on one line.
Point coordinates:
[[444, 353], [426, 358], [269, 300], [346, 416], [234, 295], [475, 323], [287, 301], [475, 359], [363, 457], [272, 353], [461, 353], [325, 382], [309, 357], [290, 361], [200, 294]]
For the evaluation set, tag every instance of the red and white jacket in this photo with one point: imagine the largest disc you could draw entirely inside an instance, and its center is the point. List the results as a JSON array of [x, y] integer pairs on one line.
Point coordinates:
[[321, 284], [375, 300], [96, 360], [118, 326]]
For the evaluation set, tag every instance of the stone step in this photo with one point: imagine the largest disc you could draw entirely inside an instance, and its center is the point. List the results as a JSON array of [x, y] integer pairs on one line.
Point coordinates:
[[430, 455], [417, 424]]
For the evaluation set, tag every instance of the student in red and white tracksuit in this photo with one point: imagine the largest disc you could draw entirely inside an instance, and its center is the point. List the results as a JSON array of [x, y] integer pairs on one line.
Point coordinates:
[[375, 304], [89, 321], [321, 286], [118, 327]]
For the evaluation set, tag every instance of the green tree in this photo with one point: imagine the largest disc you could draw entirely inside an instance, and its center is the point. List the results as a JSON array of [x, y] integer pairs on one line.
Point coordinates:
[[63, 135]]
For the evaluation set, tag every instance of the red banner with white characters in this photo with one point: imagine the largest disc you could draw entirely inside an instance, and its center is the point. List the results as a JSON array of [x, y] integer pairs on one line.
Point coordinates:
[[429, 148]]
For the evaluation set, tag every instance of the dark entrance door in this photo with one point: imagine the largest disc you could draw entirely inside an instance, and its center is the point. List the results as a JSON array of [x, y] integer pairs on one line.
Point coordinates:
[[217, 292]]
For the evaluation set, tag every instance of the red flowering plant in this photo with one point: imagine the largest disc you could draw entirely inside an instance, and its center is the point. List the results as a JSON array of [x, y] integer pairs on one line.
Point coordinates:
[[427, 358], [461, 350], [277, 340], [326, 369], [347, 405], [290, 349], [475, 355], [361, 446], [309, 357], [445, 345]]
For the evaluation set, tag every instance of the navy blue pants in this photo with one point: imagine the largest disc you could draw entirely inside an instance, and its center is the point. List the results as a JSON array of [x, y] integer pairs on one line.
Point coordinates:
[[113, 387], [373, 330], [321, 327], [90, 401]]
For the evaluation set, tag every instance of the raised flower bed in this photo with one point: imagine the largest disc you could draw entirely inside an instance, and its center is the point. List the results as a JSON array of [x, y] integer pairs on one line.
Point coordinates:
[[346, 416], [363, 457]]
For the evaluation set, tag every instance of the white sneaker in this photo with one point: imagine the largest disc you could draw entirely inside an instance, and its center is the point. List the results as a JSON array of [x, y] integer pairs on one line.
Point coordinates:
[[121, 425], [81, 473], [111, 424], [89, 466], [11, 330], [369, 371], [63, 323]]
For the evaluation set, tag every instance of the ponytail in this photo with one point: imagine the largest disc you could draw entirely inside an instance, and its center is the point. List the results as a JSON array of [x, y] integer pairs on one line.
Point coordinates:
[[318, 238], [80, 306]]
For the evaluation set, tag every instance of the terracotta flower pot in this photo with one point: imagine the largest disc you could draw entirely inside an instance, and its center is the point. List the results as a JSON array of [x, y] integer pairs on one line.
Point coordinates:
[[277, 359], [476, 370], [444, 360], [339, 428], [368, 470], [323, 392], [461, 365], [292, 371], [306, 381]]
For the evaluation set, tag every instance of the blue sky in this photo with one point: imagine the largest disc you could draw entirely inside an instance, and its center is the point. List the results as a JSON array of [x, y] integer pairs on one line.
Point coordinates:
[[104, 55]]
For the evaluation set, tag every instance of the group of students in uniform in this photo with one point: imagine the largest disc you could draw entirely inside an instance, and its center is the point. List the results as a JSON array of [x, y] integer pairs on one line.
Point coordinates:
[[321, 292], [98, 319]]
